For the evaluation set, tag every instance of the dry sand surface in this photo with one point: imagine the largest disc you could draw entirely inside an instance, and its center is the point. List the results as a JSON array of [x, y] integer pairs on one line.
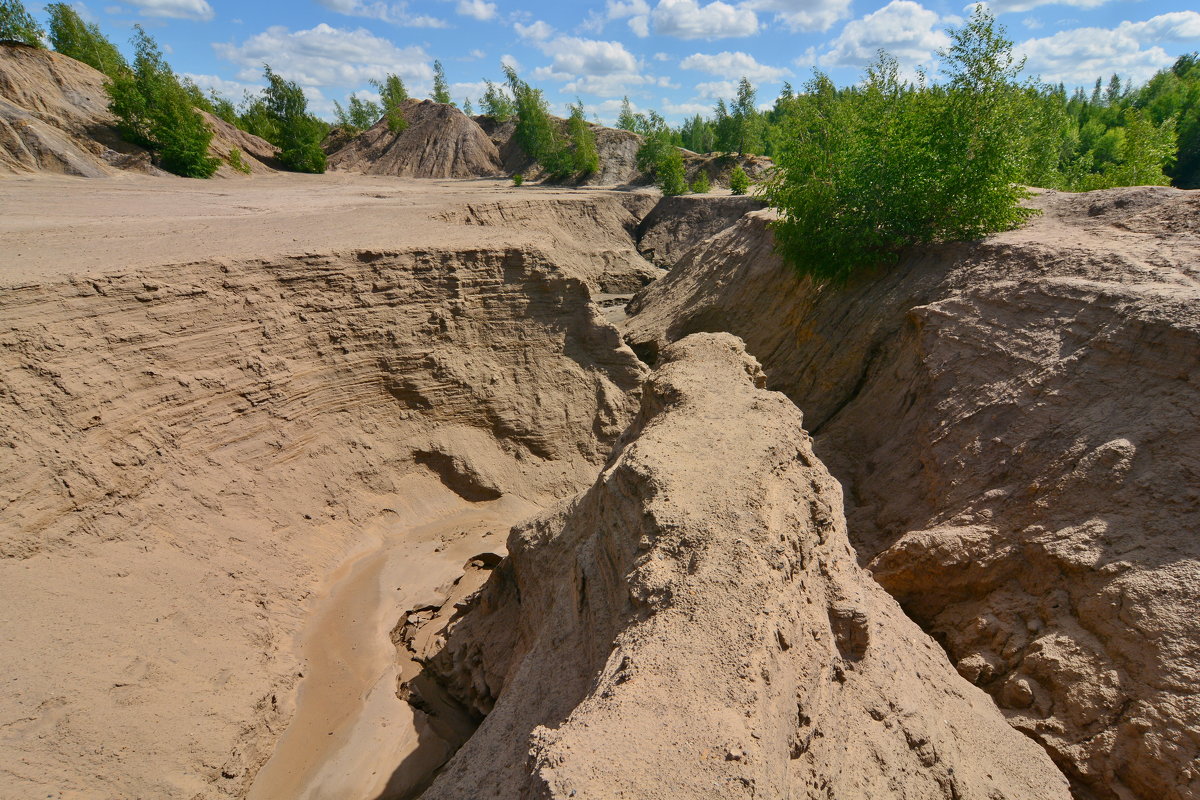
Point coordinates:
[[227, 408]]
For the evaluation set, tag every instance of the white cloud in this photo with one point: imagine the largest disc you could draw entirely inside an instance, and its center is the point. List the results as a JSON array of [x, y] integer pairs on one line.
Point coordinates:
[[1007, 6], [538, 31], [737, 63], [472, 89], [326, 56], [803, 15], [717, 89], [507, 60], [1081, 55], [661, 57], [636, 11], [233, 90], [396, 13], [590, 57], [477, 9], [176, 9], [903, 28], [686, 109], [687, 19], [1032, 23]]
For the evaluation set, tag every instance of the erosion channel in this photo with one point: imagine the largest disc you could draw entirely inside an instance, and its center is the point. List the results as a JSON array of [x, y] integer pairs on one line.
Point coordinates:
[[377, 493]]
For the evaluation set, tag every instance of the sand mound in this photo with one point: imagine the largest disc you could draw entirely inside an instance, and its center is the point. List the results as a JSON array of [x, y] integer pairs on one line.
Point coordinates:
[[695, 626], [439, 142], [54, 118], [617, 149], [1014, 423]]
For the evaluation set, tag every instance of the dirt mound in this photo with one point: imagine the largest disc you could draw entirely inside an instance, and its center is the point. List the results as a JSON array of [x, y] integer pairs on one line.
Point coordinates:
[[695, 626], [54, 118], [677, 224], [1014, 423], [257, 155], [617, 149], [719, 166], [439, 142]]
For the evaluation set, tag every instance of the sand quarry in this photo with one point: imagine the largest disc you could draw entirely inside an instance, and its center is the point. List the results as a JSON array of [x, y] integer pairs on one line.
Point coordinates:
[[371, 487]]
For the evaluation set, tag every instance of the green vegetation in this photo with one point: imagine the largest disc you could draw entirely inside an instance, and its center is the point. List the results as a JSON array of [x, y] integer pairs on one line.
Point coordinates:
[[362, 114], [497, 103], [467, 108], [295, 132], [585, 158], [739, 181], [392, 95], [17, 25], [237, 162], [83, 41], [441, 89], [701, 185], [154, 110], [518, 179], [866, 172]]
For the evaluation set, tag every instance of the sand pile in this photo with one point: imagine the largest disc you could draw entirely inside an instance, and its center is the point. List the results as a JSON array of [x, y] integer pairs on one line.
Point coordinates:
[[439, 142], [1014, 424], [694, 625], [54, 118]]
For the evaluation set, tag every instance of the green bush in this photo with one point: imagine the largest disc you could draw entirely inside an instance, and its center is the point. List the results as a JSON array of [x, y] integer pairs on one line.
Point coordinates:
[[536, 132], [739, 181], [154, 110], [866, 172], [297, 133], [702, 185], [237, 162], [518, 179], [362, 114], [496, 103], [83, 41], [17, 25]]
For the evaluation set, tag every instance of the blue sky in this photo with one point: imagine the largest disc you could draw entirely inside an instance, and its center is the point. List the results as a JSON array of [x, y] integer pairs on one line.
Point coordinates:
[[676, 56]]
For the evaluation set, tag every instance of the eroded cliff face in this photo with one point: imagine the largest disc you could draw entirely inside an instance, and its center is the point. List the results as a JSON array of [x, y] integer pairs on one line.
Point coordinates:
[[695, 625], [1014, 424], [187, 451]]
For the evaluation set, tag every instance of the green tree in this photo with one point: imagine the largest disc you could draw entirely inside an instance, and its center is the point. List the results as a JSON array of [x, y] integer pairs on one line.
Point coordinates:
[[467, 108], [626, 120], [739, 181], [497, 103], [745, 123], [536, 132], [866, 172], [155, 111], [392, 95], [297, 133], [17, 25], [362, 114], [661, 158], [698, 135], [702, 185], [83, 41], [441, 89], [585, 157]]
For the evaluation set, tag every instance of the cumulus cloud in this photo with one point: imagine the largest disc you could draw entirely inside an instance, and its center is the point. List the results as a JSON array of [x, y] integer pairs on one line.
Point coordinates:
[[1081, 55], [737, 63], [687, 19], [326, 56], [395, 13], [175, 9], [803, 15], [477, 9], [538, 31], [717, 90], [575, 56], [233, 90], [904, 28], [637, 12]]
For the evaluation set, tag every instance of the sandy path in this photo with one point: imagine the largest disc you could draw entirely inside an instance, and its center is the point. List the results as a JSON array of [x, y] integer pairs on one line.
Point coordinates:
[[351, 734]]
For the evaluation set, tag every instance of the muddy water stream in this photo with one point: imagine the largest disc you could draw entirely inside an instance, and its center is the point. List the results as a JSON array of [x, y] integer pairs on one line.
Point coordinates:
[[351, 738]]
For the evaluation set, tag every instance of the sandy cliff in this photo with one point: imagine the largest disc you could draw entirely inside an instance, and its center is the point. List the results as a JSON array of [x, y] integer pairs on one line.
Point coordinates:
[[1013, 421]]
